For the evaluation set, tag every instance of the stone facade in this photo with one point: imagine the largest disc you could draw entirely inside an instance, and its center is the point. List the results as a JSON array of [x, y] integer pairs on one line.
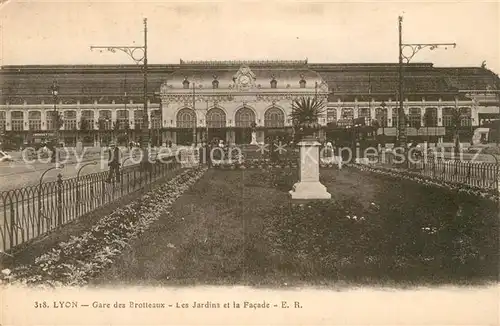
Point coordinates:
[[227, 95]]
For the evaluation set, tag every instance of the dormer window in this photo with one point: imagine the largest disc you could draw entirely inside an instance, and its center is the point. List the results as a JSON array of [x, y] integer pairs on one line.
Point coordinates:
[[302, 83], [274, 83], [185, 83]]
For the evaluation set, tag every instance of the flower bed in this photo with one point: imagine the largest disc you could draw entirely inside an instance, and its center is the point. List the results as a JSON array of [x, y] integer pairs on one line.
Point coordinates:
[[266, 163], [408, 233], [429, 181], [75, 261]]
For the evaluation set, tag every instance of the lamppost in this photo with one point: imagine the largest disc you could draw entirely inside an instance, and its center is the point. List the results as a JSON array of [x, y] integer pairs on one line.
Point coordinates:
[[54, 89], [195, 115], [414, 48], [141, 57], [383, 111]]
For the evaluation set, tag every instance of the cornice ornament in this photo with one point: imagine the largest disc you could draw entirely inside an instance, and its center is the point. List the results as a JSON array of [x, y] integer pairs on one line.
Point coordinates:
[[197, 98], [244, 79]]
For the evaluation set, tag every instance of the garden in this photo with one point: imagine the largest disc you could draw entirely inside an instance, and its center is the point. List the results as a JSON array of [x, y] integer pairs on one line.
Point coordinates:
[[239, 227], [235, 224]]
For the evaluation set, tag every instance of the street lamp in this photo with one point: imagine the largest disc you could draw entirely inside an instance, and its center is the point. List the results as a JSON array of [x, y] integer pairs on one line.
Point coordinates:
[[383, 120], [54, 89], [140, 55], [414, 48]]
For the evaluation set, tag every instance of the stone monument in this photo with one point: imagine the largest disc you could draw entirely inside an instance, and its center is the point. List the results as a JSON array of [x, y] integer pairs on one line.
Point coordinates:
[[308, 186], [254, 134], [254, 138]]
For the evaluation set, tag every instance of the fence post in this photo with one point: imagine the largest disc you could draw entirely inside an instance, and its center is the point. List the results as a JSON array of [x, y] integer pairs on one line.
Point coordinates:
[[12, 224], [40, 211], [497, 177], [469, 172], [483, 174], [78, 200], [59, 199], [103, 191], [121, 181]]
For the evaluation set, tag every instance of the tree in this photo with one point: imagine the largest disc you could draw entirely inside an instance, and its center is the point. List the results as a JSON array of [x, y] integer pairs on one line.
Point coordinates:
[[305, 114]]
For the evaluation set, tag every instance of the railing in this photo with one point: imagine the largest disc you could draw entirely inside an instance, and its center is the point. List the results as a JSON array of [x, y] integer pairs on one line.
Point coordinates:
[[29, 212], [477, 174]]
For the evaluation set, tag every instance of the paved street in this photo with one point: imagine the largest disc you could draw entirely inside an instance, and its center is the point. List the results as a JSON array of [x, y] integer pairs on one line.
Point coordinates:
[[19, 174]]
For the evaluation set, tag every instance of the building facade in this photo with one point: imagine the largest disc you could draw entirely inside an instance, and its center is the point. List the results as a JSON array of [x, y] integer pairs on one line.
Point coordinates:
[[220, 99]]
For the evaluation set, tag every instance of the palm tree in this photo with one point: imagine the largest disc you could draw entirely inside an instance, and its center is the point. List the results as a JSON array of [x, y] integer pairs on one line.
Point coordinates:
[[305, 114]]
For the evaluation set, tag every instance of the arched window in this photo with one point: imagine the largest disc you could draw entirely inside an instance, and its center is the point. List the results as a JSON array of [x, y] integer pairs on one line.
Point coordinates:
[[216, 118], [365, 114], [156, 119], [186, 118], [448, 119], [17, 120], [122, 119], [35, 120], [138, 118], [415, 117], [69, 120], [465, 117], [430, 117], [3, 120], [87, 120], [274, 83], [244, 118], [331, 114], [347, 117], [381, 116], [105, 122], [185, 83], [274, 118]]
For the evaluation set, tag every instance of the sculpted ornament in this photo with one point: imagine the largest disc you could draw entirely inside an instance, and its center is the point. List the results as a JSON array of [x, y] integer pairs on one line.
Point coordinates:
[[244, 78], [163, 88]]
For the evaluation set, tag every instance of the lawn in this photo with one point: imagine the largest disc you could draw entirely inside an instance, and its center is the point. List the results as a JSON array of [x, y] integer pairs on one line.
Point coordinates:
[[239, 227]]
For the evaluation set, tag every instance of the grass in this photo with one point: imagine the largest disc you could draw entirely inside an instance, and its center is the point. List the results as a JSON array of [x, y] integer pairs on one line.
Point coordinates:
[[239, 228]]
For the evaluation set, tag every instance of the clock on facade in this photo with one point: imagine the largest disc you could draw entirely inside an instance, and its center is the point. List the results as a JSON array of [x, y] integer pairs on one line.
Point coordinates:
[[244, 80]]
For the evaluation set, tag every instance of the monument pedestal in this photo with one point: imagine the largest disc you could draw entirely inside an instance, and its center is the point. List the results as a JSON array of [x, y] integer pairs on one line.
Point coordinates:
[[309, 186]]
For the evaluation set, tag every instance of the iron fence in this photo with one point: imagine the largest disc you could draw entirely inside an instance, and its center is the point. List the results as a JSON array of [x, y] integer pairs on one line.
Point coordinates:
[[29, 212], [477, 174]]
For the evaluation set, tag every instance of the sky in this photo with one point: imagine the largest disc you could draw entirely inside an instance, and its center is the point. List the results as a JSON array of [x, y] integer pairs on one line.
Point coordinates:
[[61, 32]]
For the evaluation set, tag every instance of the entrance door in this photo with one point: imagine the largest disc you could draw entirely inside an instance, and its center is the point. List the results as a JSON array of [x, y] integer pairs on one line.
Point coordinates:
[[217, 133], [184, 136], [243, 136]]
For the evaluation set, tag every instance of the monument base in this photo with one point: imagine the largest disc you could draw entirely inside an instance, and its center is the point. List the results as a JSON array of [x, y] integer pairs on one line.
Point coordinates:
[[309, 190]]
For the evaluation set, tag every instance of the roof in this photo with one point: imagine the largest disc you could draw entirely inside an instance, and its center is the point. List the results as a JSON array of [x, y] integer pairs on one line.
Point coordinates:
[[105, 83], [287, 74]]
